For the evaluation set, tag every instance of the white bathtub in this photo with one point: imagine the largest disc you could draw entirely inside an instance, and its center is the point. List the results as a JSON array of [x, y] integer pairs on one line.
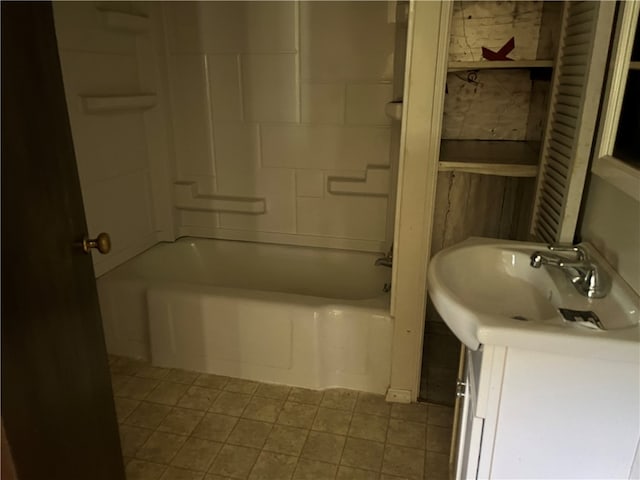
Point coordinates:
[[300, 316]]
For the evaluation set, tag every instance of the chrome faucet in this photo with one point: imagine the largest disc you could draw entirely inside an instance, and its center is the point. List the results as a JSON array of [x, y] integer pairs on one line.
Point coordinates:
[[582, 272], [387, 260]]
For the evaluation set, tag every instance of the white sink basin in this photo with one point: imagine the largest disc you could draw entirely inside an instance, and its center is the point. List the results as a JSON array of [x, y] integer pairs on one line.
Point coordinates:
[[488, 293]]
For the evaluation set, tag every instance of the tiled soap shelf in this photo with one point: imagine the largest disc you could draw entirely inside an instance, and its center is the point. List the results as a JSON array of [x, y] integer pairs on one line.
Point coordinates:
[[188, 198], [111, 103], [125, 22], [374, 184], [490, 157]]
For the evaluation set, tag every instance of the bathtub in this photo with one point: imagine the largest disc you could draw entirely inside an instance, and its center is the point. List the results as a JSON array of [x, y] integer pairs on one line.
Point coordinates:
[[300, 316]]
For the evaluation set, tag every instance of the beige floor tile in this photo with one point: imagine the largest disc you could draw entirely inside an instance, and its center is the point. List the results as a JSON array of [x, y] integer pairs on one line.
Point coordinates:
[[148, 415], [305, 395], [238, 385], [126, 366], [181, 376], [137, 388], [132, 438], [167, 393], [250, 433], [271, 466], [215, 382], [363, 454], [325, 447], [440, 416], [124, 407], [173, 473], [215, 427], [196, 454], [161, 447], [369, 427], [234, 461], [152, 372], [230, 403], [118, 381], [297, 415], [181, 421], [386, 476], [438, 439], [210, 476], [198, 398], [436, 466], [140, 470], [269, 390], [332, 421], [288, 440], [339, 398], [403, 462], [349, 473], [372, 404], [263, 409], [414, 412], [314, 470], [407, 434]]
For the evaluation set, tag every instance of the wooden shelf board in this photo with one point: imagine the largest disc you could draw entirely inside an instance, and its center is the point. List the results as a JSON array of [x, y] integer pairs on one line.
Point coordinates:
[[634, 65], [487, 65], [490, 157]]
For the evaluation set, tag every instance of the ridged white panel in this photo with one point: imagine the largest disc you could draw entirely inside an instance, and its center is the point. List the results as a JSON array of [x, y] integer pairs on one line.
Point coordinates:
[[578, 77]]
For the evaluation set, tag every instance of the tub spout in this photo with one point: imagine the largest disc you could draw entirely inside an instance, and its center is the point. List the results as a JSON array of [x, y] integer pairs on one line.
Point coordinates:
[[387, 260], [384, 261]]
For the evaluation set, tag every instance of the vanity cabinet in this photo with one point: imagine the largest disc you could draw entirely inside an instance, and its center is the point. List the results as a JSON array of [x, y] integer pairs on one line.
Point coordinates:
[[540, 414]]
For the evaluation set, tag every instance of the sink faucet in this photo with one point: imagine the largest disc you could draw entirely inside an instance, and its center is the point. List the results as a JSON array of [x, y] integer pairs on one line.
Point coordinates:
[[387, 260], [583, 273]]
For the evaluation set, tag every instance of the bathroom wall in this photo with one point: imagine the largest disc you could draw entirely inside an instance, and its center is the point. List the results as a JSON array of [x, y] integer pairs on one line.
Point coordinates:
[[278, 120], [114, 99], [611, 222]]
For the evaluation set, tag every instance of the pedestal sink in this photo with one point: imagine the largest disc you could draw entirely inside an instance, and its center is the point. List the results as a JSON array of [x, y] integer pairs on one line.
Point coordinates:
[[488, 293]]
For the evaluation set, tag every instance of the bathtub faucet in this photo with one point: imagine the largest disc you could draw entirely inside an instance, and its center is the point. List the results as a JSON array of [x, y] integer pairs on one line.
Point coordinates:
[[583, 273], [387, 260]]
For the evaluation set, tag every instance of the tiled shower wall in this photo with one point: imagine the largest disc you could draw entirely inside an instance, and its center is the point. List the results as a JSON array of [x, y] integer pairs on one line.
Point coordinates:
[[278, 120]]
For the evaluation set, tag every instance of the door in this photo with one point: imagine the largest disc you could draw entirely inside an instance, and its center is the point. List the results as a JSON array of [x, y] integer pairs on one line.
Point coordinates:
[[57, 404]]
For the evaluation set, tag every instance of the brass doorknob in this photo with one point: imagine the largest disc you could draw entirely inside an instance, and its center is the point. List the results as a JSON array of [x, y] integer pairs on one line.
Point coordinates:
[[102, 242]]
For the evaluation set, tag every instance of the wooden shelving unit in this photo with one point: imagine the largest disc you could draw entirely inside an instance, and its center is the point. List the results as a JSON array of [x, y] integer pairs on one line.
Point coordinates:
[[490, 157], [495, 65], [634, 65]]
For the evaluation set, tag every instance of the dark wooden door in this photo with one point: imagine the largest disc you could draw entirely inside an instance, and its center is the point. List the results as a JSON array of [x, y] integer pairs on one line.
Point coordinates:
[[57, 404]]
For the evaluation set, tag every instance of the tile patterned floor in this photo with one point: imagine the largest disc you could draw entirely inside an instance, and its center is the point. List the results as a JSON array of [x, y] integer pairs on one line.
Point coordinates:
[[182, 425]]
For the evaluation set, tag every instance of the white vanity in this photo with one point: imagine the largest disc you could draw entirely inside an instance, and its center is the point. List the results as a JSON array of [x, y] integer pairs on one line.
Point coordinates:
[[542, 397]]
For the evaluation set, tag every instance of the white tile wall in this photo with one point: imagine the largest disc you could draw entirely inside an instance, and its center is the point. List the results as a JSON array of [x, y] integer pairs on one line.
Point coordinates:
[[324, 147], [310, 183], [271, 26], [79, 27], [366, 103], [342, 216], [190, 115], [322, 103], [236, 147], [206, 27], [225, 87], [346, 41], [278, 186], [270, 134], [270, 88]]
